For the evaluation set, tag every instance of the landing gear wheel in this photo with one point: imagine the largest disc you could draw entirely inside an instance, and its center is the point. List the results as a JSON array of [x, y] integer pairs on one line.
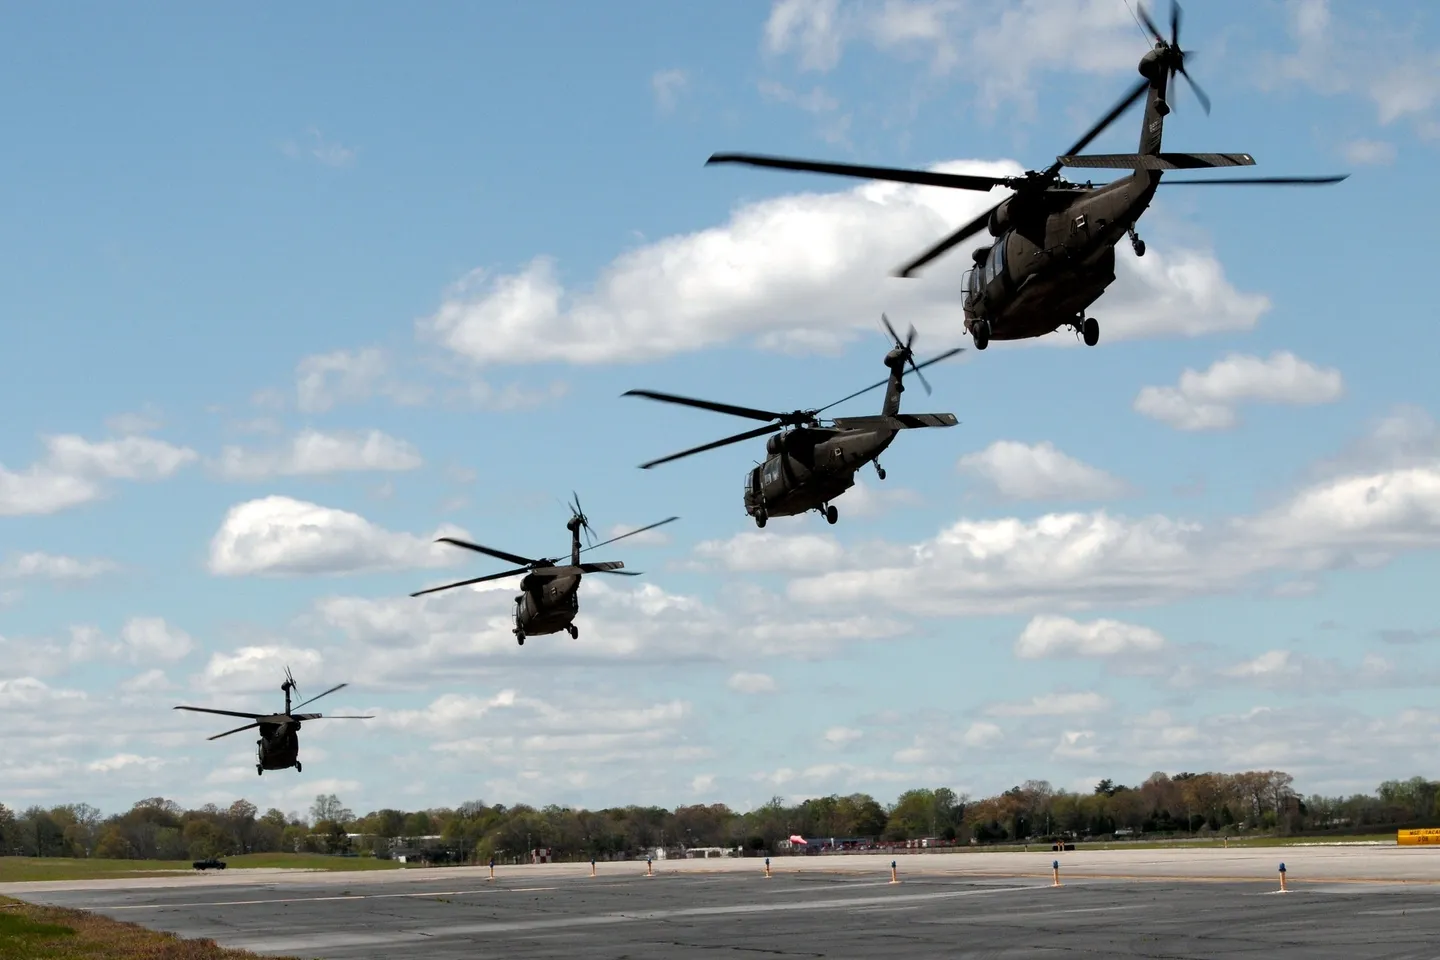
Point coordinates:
[[259, 770], [760, 519], [831, 514], [1090, 330], [1139, 246], [297, 766], [981, 332], [520, 638], [573, 630], [879, 471]]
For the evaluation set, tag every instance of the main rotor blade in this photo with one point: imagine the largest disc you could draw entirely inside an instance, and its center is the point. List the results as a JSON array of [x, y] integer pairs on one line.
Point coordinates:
[[1174, 24], [959, 236], [465, 583], [335, 716], [731, 409], [633, 532], [227, 733], [489, 551], [318, 696], [1307, 181], [747, 435], [958, 181], [1120, 107], [1150, 24], [226, 713], [947, 354]]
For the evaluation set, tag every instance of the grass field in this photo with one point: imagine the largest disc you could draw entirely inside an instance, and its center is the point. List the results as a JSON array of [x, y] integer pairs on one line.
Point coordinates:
[[29, 869], [28, 932]]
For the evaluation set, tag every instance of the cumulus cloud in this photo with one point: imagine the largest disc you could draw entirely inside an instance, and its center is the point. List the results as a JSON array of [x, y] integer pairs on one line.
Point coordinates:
[[1052, 705], [317, 147], [1377, 58], [1050, 637], [802, 273], [766, 551], [839, 736], [1001, 48], [151, 638], [281, 536], [752, 683], [47, 566], [312, 452], [1079, 560], [1207, 401], [1364, 152], [73, 470], [1018, 471]]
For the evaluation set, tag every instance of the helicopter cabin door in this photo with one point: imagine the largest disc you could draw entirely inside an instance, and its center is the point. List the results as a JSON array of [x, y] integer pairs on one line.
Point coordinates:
[[996, 282], [771, 478]]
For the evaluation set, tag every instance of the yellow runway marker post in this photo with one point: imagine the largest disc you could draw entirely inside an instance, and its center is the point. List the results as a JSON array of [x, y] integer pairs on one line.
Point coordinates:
[[649, 870], [592, 866], [894, 877], [1055, 873], [1282, 879], [767, 868], [492, 868]]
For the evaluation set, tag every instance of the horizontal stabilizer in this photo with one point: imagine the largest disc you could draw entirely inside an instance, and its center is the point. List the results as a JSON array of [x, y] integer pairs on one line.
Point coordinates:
[[901, 421], [1158, 161]]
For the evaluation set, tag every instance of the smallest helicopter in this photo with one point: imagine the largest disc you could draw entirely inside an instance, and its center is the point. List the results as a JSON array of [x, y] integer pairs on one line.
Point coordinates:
[[549, 596], [279, 743]]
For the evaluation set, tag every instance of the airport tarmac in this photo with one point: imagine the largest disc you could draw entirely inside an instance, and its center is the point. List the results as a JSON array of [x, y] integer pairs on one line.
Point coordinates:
[[1341, 902]]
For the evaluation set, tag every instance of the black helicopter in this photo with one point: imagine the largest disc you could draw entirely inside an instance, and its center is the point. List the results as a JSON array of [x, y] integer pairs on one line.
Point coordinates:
[[810, 464], [279, 743], [549, 596], [1054, 249]]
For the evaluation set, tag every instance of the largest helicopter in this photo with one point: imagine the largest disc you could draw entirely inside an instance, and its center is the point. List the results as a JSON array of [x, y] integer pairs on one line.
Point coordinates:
[[1053, 253]]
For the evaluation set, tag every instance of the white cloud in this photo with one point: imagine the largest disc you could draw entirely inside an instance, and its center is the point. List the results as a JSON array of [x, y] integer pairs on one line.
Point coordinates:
[[1049, 637], [125, 761], [1052, 705], [983, 734], [329, 153], [312, 452], [765, 551], [73, 468], [799, 273], [650, 538], [1001, 48], [1206, 401], [287, 537], [1369, 152], [326, 380], [252, 669], [147, 421], [1373, 57], [752, 683], [52, 567], [1081, 560], [667, 85], [151, 638], [1017, 471], [839, 736]]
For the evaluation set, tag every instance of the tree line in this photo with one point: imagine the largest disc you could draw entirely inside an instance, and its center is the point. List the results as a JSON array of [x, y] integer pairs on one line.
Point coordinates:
[[1186, 804]]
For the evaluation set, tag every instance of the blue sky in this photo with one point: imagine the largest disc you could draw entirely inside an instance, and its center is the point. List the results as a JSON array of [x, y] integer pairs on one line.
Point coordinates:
[[287, 293]]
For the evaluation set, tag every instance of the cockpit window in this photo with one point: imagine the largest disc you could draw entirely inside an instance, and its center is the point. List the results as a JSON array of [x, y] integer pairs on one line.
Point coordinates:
[[772, 469]]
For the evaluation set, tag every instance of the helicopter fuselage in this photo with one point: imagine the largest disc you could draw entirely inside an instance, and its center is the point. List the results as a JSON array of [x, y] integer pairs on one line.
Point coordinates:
[[807, 467], [1052, 257], [278, 747], [547, 603]]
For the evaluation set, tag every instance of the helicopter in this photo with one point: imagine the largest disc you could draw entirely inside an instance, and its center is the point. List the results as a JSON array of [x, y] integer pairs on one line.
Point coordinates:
[[549, 595], [279, 743], [811, 464], [1053, 252]]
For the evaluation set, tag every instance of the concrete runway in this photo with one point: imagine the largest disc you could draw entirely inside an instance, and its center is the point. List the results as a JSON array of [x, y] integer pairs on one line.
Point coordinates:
[[1342, 903]]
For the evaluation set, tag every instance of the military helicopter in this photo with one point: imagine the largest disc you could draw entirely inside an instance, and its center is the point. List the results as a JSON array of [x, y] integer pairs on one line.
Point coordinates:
[[279, 743], [810, 464], [1054, 249], [549, 595]]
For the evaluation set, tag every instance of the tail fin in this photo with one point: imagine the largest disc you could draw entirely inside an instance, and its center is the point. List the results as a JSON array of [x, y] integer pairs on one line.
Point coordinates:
[[1152, 127]]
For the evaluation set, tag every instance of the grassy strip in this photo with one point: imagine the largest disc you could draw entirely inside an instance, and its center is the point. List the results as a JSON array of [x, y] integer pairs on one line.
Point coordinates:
[[29, 869], [31, 932]]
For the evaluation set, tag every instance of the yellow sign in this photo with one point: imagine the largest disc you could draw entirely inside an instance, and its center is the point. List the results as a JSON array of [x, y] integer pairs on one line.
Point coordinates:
[[1428, 836]]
